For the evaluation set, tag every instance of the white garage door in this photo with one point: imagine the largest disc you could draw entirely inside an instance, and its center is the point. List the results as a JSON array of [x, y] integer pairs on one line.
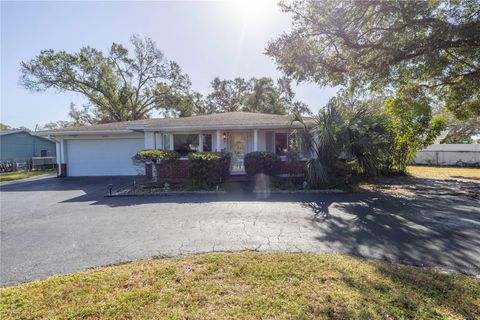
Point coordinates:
[[109, 157]]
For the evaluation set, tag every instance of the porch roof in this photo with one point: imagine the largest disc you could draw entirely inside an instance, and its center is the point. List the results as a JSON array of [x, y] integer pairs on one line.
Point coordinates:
[[223, 121]]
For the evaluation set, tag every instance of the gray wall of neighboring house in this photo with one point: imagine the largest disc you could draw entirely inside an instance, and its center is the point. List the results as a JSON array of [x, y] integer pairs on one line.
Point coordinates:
[[21, 146], [450, 155]]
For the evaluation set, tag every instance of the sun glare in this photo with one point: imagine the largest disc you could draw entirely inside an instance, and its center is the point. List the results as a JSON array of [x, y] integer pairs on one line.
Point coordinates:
[[253, 9]]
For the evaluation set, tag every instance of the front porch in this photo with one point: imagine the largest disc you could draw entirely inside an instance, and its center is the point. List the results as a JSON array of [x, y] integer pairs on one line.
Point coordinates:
[[236, 142]]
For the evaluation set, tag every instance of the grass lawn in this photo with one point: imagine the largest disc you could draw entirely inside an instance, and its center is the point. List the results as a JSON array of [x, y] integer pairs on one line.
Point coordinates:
[[9, 176], [247, 285], [444, 172]]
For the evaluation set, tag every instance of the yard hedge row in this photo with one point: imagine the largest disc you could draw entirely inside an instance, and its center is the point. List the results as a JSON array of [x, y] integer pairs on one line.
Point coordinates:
[[261, 162], [208, 170], [156, 156]]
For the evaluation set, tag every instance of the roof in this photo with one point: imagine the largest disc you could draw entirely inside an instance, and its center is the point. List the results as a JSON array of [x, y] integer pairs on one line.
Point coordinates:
[[11, 131], [30, 133], [227, 120]]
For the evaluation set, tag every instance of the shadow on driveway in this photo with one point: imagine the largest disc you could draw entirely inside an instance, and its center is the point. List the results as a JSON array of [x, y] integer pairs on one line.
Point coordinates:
[[418, 232], [442, 233]]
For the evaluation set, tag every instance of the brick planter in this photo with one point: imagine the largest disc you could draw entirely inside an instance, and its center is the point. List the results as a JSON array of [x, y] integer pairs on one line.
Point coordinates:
[[177, 171]]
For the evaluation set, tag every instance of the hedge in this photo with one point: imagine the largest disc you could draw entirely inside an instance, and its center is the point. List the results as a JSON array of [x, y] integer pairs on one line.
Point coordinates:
[[208, 170], [156, 156], [261, 162]]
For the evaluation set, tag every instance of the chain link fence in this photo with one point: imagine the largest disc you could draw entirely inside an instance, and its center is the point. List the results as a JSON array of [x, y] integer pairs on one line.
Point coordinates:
[[29, 164]]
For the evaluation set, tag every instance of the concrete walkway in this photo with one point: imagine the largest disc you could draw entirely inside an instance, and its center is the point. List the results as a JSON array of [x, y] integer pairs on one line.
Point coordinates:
[[52, 226]]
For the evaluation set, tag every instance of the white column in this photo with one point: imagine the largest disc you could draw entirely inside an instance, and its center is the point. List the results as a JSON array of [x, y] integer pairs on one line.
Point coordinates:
[[149, 140], [158, 140], [63, 151], [61, 157], [255, 140], [58, 153], [219, 140], [200, 142]]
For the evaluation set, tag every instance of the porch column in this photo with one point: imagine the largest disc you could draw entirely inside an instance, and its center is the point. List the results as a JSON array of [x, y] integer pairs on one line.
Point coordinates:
[[218, 141], [255, 140], [200, 142], [59, 160], [158, 140], [62, 159]]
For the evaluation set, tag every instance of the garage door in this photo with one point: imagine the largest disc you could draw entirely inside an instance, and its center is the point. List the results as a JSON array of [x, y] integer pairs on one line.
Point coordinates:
[[109, 157]]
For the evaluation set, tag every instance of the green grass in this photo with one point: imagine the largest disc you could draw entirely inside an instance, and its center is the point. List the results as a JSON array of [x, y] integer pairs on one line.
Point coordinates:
[[10, 176], [247, 285]]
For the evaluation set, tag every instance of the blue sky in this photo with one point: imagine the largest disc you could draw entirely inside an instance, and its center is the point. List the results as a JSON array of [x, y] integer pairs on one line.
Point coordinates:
[[207, 39]]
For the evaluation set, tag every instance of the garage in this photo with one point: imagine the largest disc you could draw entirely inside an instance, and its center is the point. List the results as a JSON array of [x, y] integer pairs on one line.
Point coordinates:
[[106, 157]]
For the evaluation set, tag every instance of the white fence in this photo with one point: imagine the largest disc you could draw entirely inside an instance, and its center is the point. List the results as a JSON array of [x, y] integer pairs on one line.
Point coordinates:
[[450, 155]]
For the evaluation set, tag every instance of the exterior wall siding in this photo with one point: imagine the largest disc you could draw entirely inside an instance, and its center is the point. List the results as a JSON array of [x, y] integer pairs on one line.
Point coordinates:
[[22, 146]]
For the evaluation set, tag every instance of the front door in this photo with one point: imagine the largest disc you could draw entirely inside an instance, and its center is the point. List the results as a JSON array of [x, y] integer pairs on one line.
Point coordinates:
[[238, 149]]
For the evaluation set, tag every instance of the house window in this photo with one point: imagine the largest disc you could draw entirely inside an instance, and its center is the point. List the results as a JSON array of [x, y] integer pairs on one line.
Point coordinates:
[[281, 143], [185, 143], [43, 153], [207, 142], [166, 142]]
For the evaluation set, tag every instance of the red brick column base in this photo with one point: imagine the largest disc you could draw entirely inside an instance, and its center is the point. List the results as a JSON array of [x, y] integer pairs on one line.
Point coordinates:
[[62, 170], [149, 170]]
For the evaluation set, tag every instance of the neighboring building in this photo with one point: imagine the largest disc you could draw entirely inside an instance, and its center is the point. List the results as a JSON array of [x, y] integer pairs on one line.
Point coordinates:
[[21, 146], [449, 155], [107, 149]]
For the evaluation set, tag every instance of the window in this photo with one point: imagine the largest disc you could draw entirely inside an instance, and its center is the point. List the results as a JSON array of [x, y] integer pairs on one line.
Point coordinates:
[[166, 142], [43, 153], [207, 142], [281, 143], [185, 143]]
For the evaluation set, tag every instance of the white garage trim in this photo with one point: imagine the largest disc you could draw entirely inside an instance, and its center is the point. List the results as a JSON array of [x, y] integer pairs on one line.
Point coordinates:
[[106, 157]]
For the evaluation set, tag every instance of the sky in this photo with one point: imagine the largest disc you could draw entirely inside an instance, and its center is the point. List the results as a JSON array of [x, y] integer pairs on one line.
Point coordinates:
[[207, 39]]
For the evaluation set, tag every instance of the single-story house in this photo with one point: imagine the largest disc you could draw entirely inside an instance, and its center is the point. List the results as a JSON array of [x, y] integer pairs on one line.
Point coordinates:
[[21, 146], [107, 149]]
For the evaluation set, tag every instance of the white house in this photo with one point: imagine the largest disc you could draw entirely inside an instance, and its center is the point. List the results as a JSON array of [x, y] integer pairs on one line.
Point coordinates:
[[107, 149]]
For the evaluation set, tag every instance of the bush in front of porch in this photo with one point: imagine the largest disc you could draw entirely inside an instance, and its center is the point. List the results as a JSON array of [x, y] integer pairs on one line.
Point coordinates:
[[261, 162], [149, 157], [206, 170]]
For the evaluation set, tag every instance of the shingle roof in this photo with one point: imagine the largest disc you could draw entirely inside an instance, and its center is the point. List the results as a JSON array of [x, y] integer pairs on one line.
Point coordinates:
[[220, 120]]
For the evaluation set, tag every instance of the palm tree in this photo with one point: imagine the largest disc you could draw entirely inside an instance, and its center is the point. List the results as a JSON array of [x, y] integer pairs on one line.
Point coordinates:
[[348, 137]]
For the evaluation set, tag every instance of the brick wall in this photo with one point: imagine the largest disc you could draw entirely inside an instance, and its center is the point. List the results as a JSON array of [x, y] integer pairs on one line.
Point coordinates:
[[176, 171]]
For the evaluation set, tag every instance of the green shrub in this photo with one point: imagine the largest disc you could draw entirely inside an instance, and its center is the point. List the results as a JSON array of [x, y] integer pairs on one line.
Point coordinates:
[[207, 170], [261, 162], [156, 156]]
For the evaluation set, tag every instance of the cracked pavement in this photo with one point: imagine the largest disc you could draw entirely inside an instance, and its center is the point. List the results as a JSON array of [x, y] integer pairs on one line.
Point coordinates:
[[55, 226]]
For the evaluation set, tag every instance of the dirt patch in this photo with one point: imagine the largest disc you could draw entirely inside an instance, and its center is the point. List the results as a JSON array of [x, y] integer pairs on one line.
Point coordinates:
[[409, 187]]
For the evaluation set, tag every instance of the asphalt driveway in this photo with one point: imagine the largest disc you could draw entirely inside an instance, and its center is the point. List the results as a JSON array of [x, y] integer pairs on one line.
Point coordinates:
[[51, 226]]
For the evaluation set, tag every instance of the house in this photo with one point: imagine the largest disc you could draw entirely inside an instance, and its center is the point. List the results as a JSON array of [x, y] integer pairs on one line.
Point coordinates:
[[21, 146], [107, 149]]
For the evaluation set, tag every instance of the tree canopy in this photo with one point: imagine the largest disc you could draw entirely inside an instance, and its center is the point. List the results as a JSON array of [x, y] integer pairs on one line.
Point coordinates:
[[254, 95], [373, 44], [119, 85]]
